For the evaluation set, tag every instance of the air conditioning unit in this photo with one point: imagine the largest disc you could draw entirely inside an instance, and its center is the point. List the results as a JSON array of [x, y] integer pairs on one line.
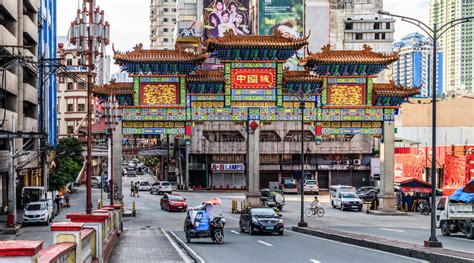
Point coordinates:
[[357, 161]]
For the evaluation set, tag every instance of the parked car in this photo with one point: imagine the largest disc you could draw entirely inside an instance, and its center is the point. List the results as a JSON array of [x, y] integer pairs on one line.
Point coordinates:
[[173, 202], [96, 181], [348, 201], [311, 186], [289, 186], [272, 198], [131, 172], [368, 195], [144, 186], [161, 187], [262, 219], [38, 212], [52, 206]]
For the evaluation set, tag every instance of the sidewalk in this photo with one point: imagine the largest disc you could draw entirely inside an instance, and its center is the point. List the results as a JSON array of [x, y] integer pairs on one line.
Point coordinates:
[[147, 245]]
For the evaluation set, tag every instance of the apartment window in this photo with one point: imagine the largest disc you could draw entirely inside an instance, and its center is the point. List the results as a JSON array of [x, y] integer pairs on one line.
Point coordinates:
[[81, 107], [165, 20], [387, 25], [165, 40], [70, 86], [174, 10], [70, 129], [70, 107], [359, 36], [69, 62], [377, 36], [165, 30], [383, 35], [79, 61], [165, 9], [376, 25], [174, 20], [349, 26]]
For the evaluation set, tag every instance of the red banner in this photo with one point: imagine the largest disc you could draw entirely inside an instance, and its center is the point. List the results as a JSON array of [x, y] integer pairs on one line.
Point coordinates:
[[253, 78]]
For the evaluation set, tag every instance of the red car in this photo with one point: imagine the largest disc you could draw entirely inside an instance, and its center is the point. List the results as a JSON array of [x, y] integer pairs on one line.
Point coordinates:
[[173, 202]]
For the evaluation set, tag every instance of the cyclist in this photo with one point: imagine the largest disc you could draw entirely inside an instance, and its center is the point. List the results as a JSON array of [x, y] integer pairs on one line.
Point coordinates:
[[316, 203]]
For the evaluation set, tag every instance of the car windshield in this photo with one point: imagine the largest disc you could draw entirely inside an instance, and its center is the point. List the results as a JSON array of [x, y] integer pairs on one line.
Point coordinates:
[[310, 182], [144, 184], [35, 207], [348, 195], [175, 198], [263, 212], [165, 184]]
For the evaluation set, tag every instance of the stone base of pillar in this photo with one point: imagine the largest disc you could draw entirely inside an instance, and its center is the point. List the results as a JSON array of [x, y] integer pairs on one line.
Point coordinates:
[[389, 203], [253, 200]]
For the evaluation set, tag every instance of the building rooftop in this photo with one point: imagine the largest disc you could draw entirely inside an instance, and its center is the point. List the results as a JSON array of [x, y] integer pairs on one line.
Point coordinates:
[[140, 55], [114, 88], [392, 90]]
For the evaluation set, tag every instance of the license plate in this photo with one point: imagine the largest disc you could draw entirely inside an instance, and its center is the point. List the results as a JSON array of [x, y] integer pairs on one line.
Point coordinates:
[[180, 207], [269, 228], [354, 206]]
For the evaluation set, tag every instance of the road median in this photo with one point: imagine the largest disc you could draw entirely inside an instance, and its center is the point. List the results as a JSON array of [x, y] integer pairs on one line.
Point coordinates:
[[435, 255]]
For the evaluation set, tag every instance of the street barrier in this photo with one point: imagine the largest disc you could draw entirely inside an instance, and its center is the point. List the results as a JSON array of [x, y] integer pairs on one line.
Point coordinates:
[[134, 210], [58, 253], [234, 206], [20, 251]]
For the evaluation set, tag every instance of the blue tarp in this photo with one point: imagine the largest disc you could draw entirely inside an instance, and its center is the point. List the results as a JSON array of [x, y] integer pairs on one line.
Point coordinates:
[[461, 195]]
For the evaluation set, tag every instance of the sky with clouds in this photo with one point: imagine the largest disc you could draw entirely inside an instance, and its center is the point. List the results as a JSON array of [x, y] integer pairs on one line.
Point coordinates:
[[130, 24]]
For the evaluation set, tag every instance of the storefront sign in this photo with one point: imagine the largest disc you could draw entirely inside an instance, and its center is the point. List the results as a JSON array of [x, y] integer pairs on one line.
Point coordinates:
[[159, 94], [227, 167], [415, 189], [255, 78]]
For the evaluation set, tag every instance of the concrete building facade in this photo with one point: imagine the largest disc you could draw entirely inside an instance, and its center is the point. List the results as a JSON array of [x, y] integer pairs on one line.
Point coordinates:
[[457, 45], [18, 94], [414, 68], [72, 95], [162, 23]]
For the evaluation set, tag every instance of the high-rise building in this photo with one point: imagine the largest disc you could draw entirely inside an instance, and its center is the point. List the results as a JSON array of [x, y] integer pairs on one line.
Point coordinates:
[[414, 69], [163, 19], [457, 45], [188, 29], [121, 77], [47, 53], [18, 93], [103, 70]]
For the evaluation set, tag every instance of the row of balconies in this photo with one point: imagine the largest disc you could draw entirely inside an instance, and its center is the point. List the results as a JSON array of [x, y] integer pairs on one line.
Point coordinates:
[[11, 118]]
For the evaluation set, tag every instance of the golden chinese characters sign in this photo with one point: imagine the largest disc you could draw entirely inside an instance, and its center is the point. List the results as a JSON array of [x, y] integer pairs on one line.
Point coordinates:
[[253, 78], [159, 94], [346, 94]]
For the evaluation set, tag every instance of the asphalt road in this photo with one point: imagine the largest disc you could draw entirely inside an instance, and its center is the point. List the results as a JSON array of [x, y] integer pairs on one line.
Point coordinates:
[[292, 247]]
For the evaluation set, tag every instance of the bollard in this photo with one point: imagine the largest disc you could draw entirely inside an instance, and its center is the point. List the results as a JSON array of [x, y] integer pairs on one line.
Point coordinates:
[[400, 206], [413, 206], [368, 208], [375, 204], [234, 206], [134, 210], [406, 207]]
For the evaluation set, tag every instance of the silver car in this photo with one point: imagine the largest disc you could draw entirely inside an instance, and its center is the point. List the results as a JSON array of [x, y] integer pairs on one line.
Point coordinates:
[[161, 187]]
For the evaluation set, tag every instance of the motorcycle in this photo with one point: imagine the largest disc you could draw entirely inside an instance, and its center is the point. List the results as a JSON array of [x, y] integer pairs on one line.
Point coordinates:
[[199, 223], [424, 208]]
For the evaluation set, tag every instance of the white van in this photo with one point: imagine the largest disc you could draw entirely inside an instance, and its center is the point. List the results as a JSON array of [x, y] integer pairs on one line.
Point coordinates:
[[335, 190]]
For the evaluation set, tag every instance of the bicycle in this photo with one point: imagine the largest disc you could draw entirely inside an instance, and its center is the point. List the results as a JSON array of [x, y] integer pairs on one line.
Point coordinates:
[[313, 210]]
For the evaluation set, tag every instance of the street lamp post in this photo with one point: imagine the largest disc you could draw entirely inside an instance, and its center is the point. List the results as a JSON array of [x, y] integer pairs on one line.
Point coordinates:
[[90, 33], [434, 33], [302, 223]]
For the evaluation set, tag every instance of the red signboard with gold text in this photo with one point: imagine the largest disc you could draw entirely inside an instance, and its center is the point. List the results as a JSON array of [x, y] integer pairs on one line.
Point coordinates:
[[159, 93], [253, 78]]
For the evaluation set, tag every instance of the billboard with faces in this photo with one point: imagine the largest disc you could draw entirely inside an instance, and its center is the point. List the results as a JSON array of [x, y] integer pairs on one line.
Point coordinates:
[[223, 15]]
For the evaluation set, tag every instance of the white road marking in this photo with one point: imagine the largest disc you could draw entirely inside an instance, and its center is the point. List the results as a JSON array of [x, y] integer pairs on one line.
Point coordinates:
[[314, 261], [180, 251], [235, 232], [359, 247], [189, 250], [265, 243], [393, 230], [463, 239]]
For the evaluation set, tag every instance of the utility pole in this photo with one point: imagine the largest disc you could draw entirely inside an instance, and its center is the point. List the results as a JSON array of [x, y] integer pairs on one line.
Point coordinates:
[[90, 44]]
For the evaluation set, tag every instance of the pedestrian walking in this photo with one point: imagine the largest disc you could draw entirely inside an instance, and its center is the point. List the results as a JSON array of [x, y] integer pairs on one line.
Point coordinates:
[[61, 202], [57, 201], [132, 189], [136, 189], [67, 198]]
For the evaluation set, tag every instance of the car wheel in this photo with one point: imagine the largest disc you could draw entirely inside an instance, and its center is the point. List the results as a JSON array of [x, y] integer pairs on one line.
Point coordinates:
[[445, 228], [332, 204], [46, 223], [343, 208], [251, 232], [50, 219], [188, 236], [360, 208], [280, 233], [469, 230]]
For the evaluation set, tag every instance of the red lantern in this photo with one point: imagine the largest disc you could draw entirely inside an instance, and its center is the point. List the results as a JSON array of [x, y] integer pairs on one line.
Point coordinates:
[[318, 130], [253, 125], [188, 130]]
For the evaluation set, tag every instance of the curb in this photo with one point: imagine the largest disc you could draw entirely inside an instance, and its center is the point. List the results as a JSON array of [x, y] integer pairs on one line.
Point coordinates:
[[435, 255], [191, 253]]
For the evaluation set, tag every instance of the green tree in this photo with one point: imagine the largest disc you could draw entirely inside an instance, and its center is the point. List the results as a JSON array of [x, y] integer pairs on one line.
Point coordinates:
[[151, 162], [68, 163]]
